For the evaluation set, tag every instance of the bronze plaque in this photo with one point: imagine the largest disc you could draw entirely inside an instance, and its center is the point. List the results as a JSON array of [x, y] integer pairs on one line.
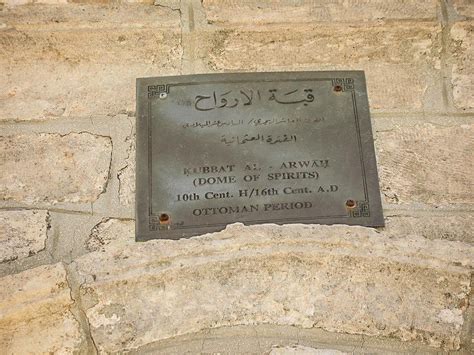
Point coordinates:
[[215, 149]]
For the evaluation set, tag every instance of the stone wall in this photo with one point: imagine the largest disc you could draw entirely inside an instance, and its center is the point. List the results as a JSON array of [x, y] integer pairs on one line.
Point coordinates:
[[73, 279]]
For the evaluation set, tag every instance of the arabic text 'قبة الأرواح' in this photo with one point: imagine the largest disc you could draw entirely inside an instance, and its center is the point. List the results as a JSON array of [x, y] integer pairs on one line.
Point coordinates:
[[246, 98]]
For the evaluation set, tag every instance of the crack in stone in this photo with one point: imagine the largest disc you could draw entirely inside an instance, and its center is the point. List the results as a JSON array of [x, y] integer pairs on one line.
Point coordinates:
[[181, 21], [129, 139], [81, 317], [49, 251], [181, 38], [169, 7]]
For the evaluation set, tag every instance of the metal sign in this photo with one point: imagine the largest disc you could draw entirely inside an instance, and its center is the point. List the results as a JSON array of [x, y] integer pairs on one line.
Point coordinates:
[[215, 149]]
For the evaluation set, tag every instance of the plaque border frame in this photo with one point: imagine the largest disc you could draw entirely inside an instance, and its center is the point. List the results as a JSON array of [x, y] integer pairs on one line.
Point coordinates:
[[149, 89]]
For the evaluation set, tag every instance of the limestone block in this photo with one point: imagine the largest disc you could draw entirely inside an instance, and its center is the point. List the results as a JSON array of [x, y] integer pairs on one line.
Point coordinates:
[[427, 164], [22, 233], [464, 7], [458, 227], [400, 60], [338, 278], [69, 65], [54, 168], [35, 316], [223, 12], [75, 17], [12, 3], [111, 2], [462, 76], [304, 350]]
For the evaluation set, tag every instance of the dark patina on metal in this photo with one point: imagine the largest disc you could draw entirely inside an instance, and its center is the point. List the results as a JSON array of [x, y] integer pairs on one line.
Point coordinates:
[[215, 149]]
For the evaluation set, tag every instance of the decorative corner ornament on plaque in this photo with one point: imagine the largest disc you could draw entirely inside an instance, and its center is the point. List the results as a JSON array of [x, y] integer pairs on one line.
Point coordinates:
[[279, 148]]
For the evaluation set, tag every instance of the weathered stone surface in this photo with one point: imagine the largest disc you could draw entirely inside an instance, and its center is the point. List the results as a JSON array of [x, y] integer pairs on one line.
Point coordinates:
[[12, 3], [35, 314], [262, 338], [338, 278], [108, 231], [399, 59], [409, 280], [457, 227], [22, 233], [464, 7], [462, 51], [426, 164], [53, 168], [303, 350], [63, 90], [99, 46], [74, 67], [149, 2], [73, 17], [224, 12], [126, 175]]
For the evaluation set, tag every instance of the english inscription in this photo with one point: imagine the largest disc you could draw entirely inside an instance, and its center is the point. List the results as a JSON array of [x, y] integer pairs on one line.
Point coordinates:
[[253, 148]]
